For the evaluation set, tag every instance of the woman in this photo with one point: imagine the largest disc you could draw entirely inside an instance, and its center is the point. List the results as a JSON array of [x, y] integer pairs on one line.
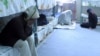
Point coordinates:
[[17, 34], [92, 20]]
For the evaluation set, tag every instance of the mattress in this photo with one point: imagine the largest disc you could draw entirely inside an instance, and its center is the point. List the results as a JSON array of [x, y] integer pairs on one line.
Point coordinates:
[[8, 51]]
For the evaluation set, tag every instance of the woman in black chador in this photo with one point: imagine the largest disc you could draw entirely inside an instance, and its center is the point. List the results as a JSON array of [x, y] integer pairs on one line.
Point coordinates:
[[92, 20]]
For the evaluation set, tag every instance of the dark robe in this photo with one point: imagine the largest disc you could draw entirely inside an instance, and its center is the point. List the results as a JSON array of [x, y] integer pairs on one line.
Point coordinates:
[[15, 29], [92, 21]]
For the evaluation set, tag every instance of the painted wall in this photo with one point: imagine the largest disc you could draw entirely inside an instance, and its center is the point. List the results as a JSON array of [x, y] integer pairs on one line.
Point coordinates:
[[45, 4], [9, 7]]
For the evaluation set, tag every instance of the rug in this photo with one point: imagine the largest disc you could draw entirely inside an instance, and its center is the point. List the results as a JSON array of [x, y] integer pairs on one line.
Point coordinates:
[[72, 26]]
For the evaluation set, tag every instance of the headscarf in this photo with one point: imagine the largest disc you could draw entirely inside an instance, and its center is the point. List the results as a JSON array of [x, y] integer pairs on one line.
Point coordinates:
[[89, 10]]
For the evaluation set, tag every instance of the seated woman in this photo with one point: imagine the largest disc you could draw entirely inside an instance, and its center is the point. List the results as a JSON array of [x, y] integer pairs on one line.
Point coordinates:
[[15, 34], [92, 20], [42, 20]]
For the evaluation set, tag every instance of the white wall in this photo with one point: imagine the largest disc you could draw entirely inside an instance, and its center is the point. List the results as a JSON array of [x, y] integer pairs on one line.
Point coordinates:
[[45, 4], [9, 7]]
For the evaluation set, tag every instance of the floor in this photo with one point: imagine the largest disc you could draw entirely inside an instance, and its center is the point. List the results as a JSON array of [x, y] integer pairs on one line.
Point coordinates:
[[77, 42]]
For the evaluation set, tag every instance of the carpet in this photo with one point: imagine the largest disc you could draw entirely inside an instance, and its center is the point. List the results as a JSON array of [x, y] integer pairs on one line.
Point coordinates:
[[70, 27]]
